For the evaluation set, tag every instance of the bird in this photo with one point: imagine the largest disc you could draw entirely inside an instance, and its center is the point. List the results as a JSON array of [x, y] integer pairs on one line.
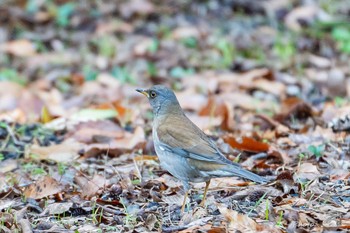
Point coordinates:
[[183, 149]]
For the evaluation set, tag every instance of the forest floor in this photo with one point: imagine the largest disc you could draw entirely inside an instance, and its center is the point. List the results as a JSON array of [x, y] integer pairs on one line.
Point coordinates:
[[269, 81]]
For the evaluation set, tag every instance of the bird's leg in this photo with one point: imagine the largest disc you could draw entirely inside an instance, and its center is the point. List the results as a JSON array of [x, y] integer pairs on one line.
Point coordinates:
[[184, 202], [205, 193]]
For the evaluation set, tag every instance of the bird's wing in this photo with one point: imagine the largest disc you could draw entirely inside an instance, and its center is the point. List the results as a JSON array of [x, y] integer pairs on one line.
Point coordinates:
[[187, 140]]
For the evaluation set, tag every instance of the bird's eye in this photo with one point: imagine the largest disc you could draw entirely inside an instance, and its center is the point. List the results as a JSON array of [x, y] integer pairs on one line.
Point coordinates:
[[152, 94]]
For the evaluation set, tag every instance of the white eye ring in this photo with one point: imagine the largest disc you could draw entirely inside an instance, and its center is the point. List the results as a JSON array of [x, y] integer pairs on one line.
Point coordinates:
[[153, 94]]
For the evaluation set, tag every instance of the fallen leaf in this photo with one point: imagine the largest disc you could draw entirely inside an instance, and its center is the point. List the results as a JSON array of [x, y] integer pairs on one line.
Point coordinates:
[[236, 221], [45, 115], [124, 114], [6, 203], [65, 152], [186, 32], [247, 144], [219, 108], [8, 165], [306, 171], [21, 48], [305, 13], [280, 154], [89, 187], [276, 88], [150, 221], [42, 188], [130, 141], [142, 7], [58, 208], [87, 132], [205, 122]]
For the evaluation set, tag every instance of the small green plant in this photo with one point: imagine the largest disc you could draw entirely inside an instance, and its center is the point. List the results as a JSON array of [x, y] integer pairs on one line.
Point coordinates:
[[280, 219], [154, 46], [64, 12], [340, 101], [130, 219], [152, 69], [123, 75], [256, 204], [237, 158], [190, 42], [267, 210], [136, 182], [179, 72], [284, 48], [89, 73], [342, 36], [38, 171], [304, 184], [254, 52], [317, 151], [11, 75], [227, 50], [105, 46], [61, 168], [301, 157]]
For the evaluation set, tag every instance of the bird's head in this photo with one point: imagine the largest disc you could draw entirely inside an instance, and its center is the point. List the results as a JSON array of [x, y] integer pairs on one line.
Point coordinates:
[[162, 100]]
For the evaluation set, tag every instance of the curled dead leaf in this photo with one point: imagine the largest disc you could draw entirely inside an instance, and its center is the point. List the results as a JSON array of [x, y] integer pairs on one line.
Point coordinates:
[[219, 108]]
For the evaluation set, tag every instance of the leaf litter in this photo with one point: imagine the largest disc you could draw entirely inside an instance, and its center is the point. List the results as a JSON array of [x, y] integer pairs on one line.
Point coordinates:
[[76, 151]]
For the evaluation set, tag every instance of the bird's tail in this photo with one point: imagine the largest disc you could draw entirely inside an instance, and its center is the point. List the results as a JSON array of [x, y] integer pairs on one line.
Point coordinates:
[[241, 172]]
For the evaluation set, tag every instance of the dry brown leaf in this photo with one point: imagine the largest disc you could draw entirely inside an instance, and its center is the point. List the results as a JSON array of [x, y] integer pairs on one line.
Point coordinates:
[[150, 221], [246, 101], [170, 181], [142, 47], [65, 152], [219, 108], [130, 141], [222, 184], [293, 106], [303, 13], [190, 100], [89, 187], [6, 203], [58, 208], [124, 114], [86, 132], [185, 32], [21, 48], [276, 88], [112, 26], [8, 165], [206, 82], [306, 171], [247, 144], [205, 122], [193, 215], [278, 153], [142, 7], [236, 221], [9, 95], [176, 199], [43, 188], [228, 82]]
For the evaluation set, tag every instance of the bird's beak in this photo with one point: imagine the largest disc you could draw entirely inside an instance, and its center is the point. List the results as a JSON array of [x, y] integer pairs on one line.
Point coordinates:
[[143, 91]]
